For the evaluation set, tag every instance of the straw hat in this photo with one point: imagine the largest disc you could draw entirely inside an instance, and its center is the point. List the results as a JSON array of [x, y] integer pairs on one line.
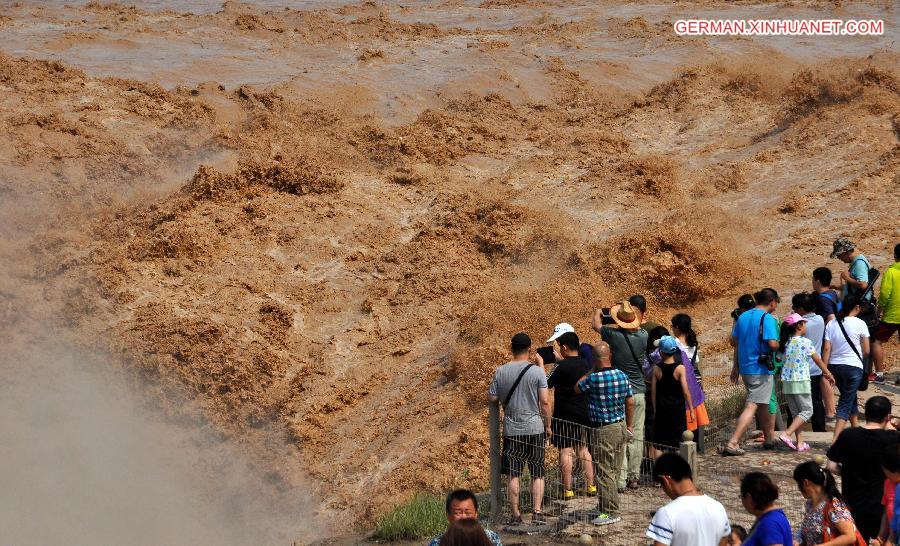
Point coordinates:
[[625, 315]]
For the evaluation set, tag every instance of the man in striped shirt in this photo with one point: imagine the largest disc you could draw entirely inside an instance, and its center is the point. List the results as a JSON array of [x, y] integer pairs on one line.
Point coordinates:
[[692, 518]]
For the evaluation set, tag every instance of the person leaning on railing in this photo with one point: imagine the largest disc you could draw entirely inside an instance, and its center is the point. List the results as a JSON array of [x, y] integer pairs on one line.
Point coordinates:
[[611, 406]]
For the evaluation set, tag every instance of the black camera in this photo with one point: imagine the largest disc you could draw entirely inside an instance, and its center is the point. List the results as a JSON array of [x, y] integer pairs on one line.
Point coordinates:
[[606, 316], [768, 360]]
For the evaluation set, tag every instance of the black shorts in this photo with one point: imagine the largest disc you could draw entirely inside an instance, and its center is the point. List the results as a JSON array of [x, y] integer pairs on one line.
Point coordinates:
[[567, 434], [885, 330], [521, 450]]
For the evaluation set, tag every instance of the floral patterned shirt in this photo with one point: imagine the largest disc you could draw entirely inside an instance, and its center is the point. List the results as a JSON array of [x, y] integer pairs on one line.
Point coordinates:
[[811, 529], [797, 356]]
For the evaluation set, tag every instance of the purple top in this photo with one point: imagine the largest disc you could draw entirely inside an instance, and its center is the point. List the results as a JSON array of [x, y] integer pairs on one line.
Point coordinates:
[[697, 396]]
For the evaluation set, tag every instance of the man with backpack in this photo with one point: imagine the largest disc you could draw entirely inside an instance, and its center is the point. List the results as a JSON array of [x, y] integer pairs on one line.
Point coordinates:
[[521, 387], [855, 282]]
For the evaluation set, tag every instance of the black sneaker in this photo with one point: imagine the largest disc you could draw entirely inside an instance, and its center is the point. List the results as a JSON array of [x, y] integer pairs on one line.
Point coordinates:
[[879, 378]]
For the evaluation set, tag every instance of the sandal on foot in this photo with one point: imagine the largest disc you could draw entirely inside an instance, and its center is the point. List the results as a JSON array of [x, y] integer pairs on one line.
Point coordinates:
[[803, 447], [538, 518], [728, 451], [787, 441]]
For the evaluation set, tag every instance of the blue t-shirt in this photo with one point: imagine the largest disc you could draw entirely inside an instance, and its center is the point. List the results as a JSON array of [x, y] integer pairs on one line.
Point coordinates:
[[746, 334], [771, 528]]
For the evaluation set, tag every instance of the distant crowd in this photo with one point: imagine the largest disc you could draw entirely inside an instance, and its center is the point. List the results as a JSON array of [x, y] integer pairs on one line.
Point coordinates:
[[632, 395]]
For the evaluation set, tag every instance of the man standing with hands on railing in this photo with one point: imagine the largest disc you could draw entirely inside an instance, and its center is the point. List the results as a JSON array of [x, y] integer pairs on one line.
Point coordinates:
[[611, 405]]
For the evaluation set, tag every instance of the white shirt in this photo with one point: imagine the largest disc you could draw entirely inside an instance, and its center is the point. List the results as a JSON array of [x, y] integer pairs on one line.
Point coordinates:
[[689, 351], [696, 520], [815, 327], [841, 353]]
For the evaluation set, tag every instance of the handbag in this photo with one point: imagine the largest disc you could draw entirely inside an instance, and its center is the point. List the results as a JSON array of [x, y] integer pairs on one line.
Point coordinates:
[[827, 533]]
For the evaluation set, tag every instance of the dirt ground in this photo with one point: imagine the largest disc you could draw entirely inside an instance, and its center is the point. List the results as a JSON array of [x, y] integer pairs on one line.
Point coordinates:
[[321, 223]]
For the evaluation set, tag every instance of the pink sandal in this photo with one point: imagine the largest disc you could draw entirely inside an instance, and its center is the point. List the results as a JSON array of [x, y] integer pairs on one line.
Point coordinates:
[[803, 447], [787, 441]]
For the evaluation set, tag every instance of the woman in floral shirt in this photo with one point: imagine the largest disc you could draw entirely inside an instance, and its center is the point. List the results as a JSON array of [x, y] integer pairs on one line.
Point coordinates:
[[795, 379], [817, 485]]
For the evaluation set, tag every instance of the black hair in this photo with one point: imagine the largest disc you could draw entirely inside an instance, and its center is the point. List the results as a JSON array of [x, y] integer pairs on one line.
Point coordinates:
[[878, 408], [890, 460], [760, 488], [787, 332], [520, 343], [810, 470], [848, 304], [673, 466], [682, 321], [739, 531], [805, 301], [746, 302], [461, 495], [765, 296], [654, 334], [569, 340], [897, 252], [823, 275], [638, 301]]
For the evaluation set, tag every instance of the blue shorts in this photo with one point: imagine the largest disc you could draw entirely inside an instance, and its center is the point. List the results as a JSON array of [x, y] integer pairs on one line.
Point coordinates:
[[847, 379]]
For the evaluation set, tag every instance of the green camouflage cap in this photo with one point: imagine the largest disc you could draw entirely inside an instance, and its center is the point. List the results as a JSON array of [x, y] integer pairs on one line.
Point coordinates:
[[841, 245]]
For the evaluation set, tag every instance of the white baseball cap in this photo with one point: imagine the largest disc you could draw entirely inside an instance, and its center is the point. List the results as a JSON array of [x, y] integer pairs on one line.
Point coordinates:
[[560, 329]]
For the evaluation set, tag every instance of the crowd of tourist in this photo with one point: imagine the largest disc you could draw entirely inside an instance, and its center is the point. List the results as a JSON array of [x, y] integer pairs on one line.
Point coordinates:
[[632, 394]]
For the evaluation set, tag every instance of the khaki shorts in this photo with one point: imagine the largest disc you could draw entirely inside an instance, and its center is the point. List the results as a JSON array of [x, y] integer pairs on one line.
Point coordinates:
[[759, 388]]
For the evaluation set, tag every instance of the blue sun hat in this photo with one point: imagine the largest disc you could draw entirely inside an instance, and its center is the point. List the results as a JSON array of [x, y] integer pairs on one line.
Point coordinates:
[[667, 345]]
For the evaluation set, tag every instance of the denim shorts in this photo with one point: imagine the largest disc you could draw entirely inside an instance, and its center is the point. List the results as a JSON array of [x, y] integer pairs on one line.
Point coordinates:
[[847, 379]]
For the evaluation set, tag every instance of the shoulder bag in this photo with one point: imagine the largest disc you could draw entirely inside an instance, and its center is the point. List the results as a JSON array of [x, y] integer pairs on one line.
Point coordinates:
[[516, 384]]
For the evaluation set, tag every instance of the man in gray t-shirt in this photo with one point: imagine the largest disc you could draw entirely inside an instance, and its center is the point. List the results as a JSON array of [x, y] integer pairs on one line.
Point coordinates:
[[628, 343], [521, 389]]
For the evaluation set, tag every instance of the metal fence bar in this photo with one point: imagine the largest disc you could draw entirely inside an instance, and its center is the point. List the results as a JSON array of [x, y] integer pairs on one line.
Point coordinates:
[[496, 485]]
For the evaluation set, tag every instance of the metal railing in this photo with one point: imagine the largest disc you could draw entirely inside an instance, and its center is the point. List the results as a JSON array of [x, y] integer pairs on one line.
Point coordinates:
[[574, 516]]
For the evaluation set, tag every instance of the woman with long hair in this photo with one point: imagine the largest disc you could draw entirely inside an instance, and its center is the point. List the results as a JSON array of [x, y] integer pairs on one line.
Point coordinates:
[[684, 334], [828, 520]]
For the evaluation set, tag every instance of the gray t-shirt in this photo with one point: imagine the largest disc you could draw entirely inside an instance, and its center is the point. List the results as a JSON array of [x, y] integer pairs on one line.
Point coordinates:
[[815, 331], [523, 414], [622, 357]]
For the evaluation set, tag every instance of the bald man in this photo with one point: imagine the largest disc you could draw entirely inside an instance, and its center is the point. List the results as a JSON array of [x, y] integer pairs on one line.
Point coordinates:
[[611, 403]]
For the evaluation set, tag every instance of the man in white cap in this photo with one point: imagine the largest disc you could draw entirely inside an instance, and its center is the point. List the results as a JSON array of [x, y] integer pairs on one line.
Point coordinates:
[[628, 342], [585, 351]]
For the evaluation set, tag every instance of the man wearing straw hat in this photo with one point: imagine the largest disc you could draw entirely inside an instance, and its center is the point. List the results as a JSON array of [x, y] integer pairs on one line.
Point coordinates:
[[628, 341]]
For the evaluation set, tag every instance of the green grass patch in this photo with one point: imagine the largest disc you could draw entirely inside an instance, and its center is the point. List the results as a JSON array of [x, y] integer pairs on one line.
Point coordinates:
[[420, 517]]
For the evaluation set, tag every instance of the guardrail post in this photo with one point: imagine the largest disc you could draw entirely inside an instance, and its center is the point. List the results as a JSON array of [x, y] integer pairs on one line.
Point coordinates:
[[688, 451], [494, 434]]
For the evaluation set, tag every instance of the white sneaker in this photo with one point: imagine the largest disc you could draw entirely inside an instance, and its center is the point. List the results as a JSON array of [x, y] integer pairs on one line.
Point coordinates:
[[606, 519]]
